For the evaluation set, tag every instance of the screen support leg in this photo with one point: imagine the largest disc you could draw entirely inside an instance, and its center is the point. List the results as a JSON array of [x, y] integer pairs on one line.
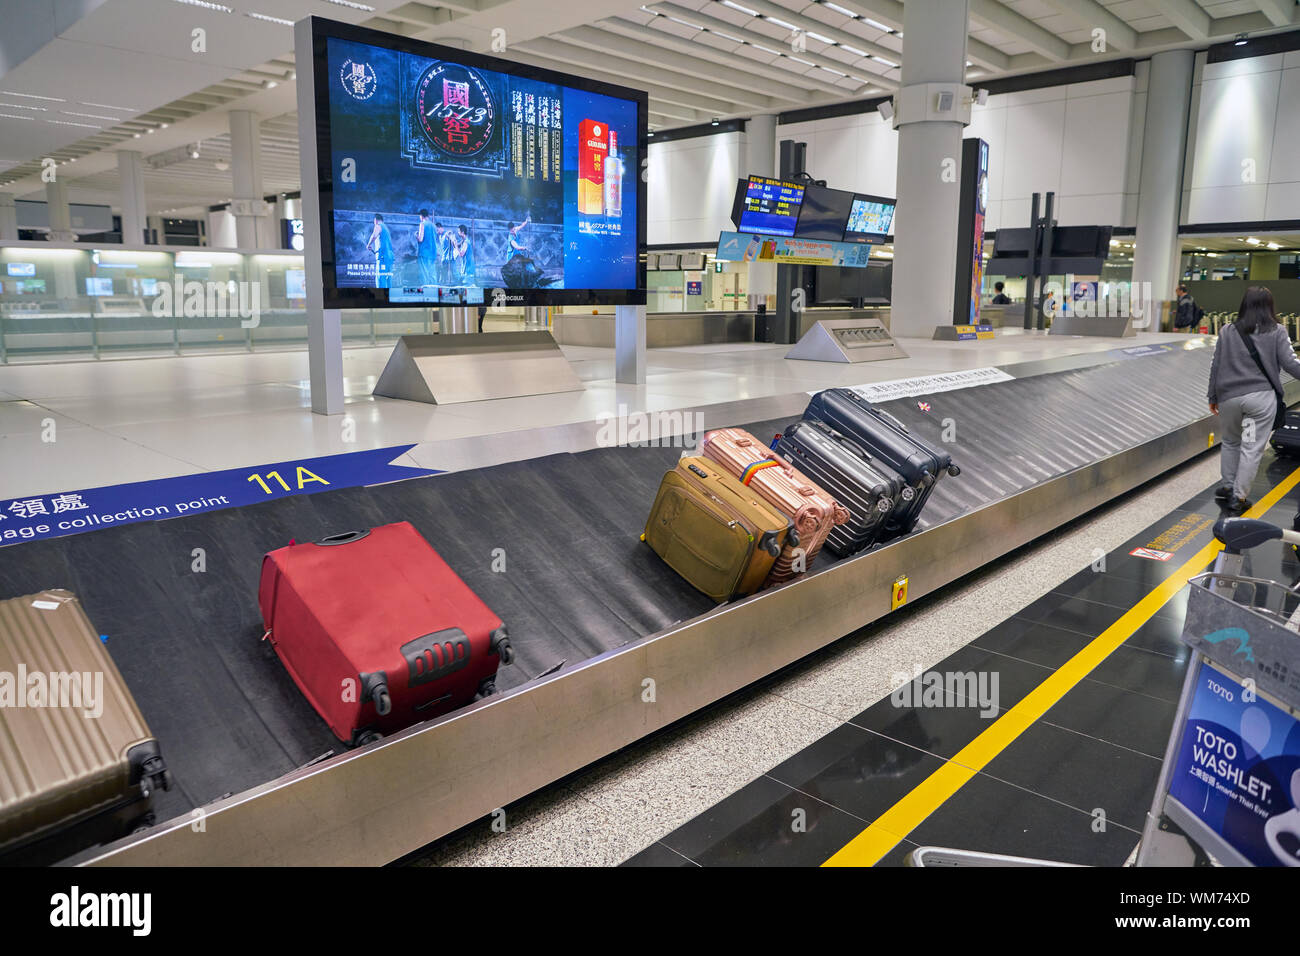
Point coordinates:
[[629, 344], [325, 359]]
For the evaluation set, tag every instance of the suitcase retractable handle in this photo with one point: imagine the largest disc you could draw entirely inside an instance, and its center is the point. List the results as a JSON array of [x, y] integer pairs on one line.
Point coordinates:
[[347, 537]]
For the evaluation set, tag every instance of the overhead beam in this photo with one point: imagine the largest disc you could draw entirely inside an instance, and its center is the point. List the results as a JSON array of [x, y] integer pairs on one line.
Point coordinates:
[[890, 13], [729, 29], [1091, 14], [1187, 15], [1280, 13], [665, 85], [993, 14], [807, 25]]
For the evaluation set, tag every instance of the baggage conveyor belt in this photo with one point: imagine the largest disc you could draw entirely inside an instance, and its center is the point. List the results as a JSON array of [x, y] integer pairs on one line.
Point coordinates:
[[588, 606]]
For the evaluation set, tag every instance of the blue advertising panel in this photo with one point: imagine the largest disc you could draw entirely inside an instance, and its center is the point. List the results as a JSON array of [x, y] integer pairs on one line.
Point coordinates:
[[442, 177], [1238, 770], [787, 250]]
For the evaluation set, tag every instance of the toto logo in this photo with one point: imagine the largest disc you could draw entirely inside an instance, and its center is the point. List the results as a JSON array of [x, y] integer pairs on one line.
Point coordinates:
[[456, 109], [358, 79]]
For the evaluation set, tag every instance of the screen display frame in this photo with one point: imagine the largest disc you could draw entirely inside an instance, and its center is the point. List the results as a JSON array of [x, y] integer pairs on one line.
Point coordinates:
[[873, 238], [803, 228], [323, 30]]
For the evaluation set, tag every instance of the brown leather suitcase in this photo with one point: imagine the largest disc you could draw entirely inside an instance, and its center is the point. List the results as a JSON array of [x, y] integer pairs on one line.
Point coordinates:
[[713, 531], [75, 751], [762, 470]]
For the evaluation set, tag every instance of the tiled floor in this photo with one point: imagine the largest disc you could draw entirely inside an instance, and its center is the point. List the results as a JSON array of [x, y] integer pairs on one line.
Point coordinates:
[[133, 419]]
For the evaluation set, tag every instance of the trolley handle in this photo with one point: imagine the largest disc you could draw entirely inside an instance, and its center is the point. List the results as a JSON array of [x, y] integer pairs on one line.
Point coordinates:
[[1242, 534]]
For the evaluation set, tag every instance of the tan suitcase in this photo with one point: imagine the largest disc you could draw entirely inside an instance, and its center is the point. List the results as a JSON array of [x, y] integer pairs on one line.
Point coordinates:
[[762, 470], [77, 750], [714, 531]]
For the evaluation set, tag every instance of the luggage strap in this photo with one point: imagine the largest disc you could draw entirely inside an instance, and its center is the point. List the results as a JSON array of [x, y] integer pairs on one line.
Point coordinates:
[[754, 468]]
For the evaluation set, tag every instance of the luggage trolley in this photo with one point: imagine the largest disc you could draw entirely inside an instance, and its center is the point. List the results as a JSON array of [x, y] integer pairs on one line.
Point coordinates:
[[1229, 787]]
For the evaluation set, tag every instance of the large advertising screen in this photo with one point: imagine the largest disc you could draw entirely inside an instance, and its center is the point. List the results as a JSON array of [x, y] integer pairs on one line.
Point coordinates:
[[451, 177]]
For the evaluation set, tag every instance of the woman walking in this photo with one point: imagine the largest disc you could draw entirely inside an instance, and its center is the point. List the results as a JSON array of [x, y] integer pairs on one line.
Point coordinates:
[[1246, 389]]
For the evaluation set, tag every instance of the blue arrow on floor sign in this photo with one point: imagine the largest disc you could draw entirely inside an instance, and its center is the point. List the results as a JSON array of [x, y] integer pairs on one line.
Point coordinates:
[[55, 515]]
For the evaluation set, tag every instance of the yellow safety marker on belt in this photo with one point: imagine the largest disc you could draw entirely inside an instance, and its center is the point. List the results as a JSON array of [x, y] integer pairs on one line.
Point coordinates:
[[869, 846]]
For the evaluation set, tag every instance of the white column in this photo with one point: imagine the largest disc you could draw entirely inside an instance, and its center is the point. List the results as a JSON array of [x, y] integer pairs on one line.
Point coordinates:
[[56, 203], [925, 237], [247, 203], [8, 218], [759, 158], [324, 326], [1160, 183], [130, 174], [629, 344], [157, 228]]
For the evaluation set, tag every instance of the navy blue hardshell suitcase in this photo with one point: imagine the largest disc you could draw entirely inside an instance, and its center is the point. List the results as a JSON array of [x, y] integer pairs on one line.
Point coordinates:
[[885, 440]]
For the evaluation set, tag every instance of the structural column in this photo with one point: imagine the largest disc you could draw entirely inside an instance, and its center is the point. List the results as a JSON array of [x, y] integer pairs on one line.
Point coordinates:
[[8, 218], [247, 203], [130, 173], [759, 158], [1160, 183], [929, 160], [56, 202]]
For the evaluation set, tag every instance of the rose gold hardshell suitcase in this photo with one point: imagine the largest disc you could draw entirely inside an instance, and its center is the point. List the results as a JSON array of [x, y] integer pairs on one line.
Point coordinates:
[[813, 512]]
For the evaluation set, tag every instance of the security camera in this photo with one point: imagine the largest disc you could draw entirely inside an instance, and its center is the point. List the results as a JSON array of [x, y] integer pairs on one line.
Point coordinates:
[[886, 110]]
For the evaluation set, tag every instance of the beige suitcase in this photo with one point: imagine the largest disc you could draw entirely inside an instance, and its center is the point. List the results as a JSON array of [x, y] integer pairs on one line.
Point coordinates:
[[75, 751]]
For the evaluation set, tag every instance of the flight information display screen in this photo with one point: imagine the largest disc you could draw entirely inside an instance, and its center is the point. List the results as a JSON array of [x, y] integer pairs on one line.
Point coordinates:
[[871, 219], [770, 207], [453, 181]]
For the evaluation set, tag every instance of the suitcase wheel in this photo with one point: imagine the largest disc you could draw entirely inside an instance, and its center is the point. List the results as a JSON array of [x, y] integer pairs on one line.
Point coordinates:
[[362, 738], [486, 689], [499, 644], [383, 703], [953, 471]]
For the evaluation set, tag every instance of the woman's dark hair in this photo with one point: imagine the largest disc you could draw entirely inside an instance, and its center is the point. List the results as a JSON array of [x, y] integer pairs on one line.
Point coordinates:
[[1256, 313]]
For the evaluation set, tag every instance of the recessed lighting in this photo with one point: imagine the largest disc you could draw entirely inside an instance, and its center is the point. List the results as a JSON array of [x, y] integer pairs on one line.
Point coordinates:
[[1273, 245], [16, 116], [109, 106], [352, 6], [70, 123], [852, 49], [1241, 39], [819, 38], [685, 23], [838, 9], [715, 121], [878, 25], [270, 19], [736, 6], [1251, 240], [215, 7], [89, 115], [269, 84], [33, 96], [889, 63]]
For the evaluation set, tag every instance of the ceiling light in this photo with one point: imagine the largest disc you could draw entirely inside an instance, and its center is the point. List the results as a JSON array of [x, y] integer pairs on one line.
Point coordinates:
[[33, 96], [215, 7], [685, 23], [16, 116], [736, 6], [89, 115], [1252, 241], [163, 125], [269, 84], [878, 25], [836, 72], [107, 106], [852, 49], [798, 60], [888, 63], [1273, 245], [1241, 40], [352, 6], [135, 135], [758, 46], [70, 123], [726, 36], [270, 19], [780, 23], [819, 38], [836, 7]]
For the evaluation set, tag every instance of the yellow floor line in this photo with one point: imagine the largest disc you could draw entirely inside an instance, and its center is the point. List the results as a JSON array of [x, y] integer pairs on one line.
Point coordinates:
[[869, 846]]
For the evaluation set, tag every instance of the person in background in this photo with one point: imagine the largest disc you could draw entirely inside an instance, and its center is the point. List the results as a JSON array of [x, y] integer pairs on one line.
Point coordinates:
[[1188, 315], [381, 244], [999, 296], [1245, 379], [426, 245], [464, 253], [482, 314]]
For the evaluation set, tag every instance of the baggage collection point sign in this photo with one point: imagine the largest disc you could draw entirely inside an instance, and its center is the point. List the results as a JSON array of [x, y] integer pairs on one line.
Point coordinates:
[[37, 517]]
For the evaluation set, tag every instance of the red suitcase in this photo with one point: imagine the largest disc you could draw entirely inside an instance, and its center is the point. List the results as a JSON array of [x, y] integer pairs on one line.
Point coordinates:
[[377, 631]]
